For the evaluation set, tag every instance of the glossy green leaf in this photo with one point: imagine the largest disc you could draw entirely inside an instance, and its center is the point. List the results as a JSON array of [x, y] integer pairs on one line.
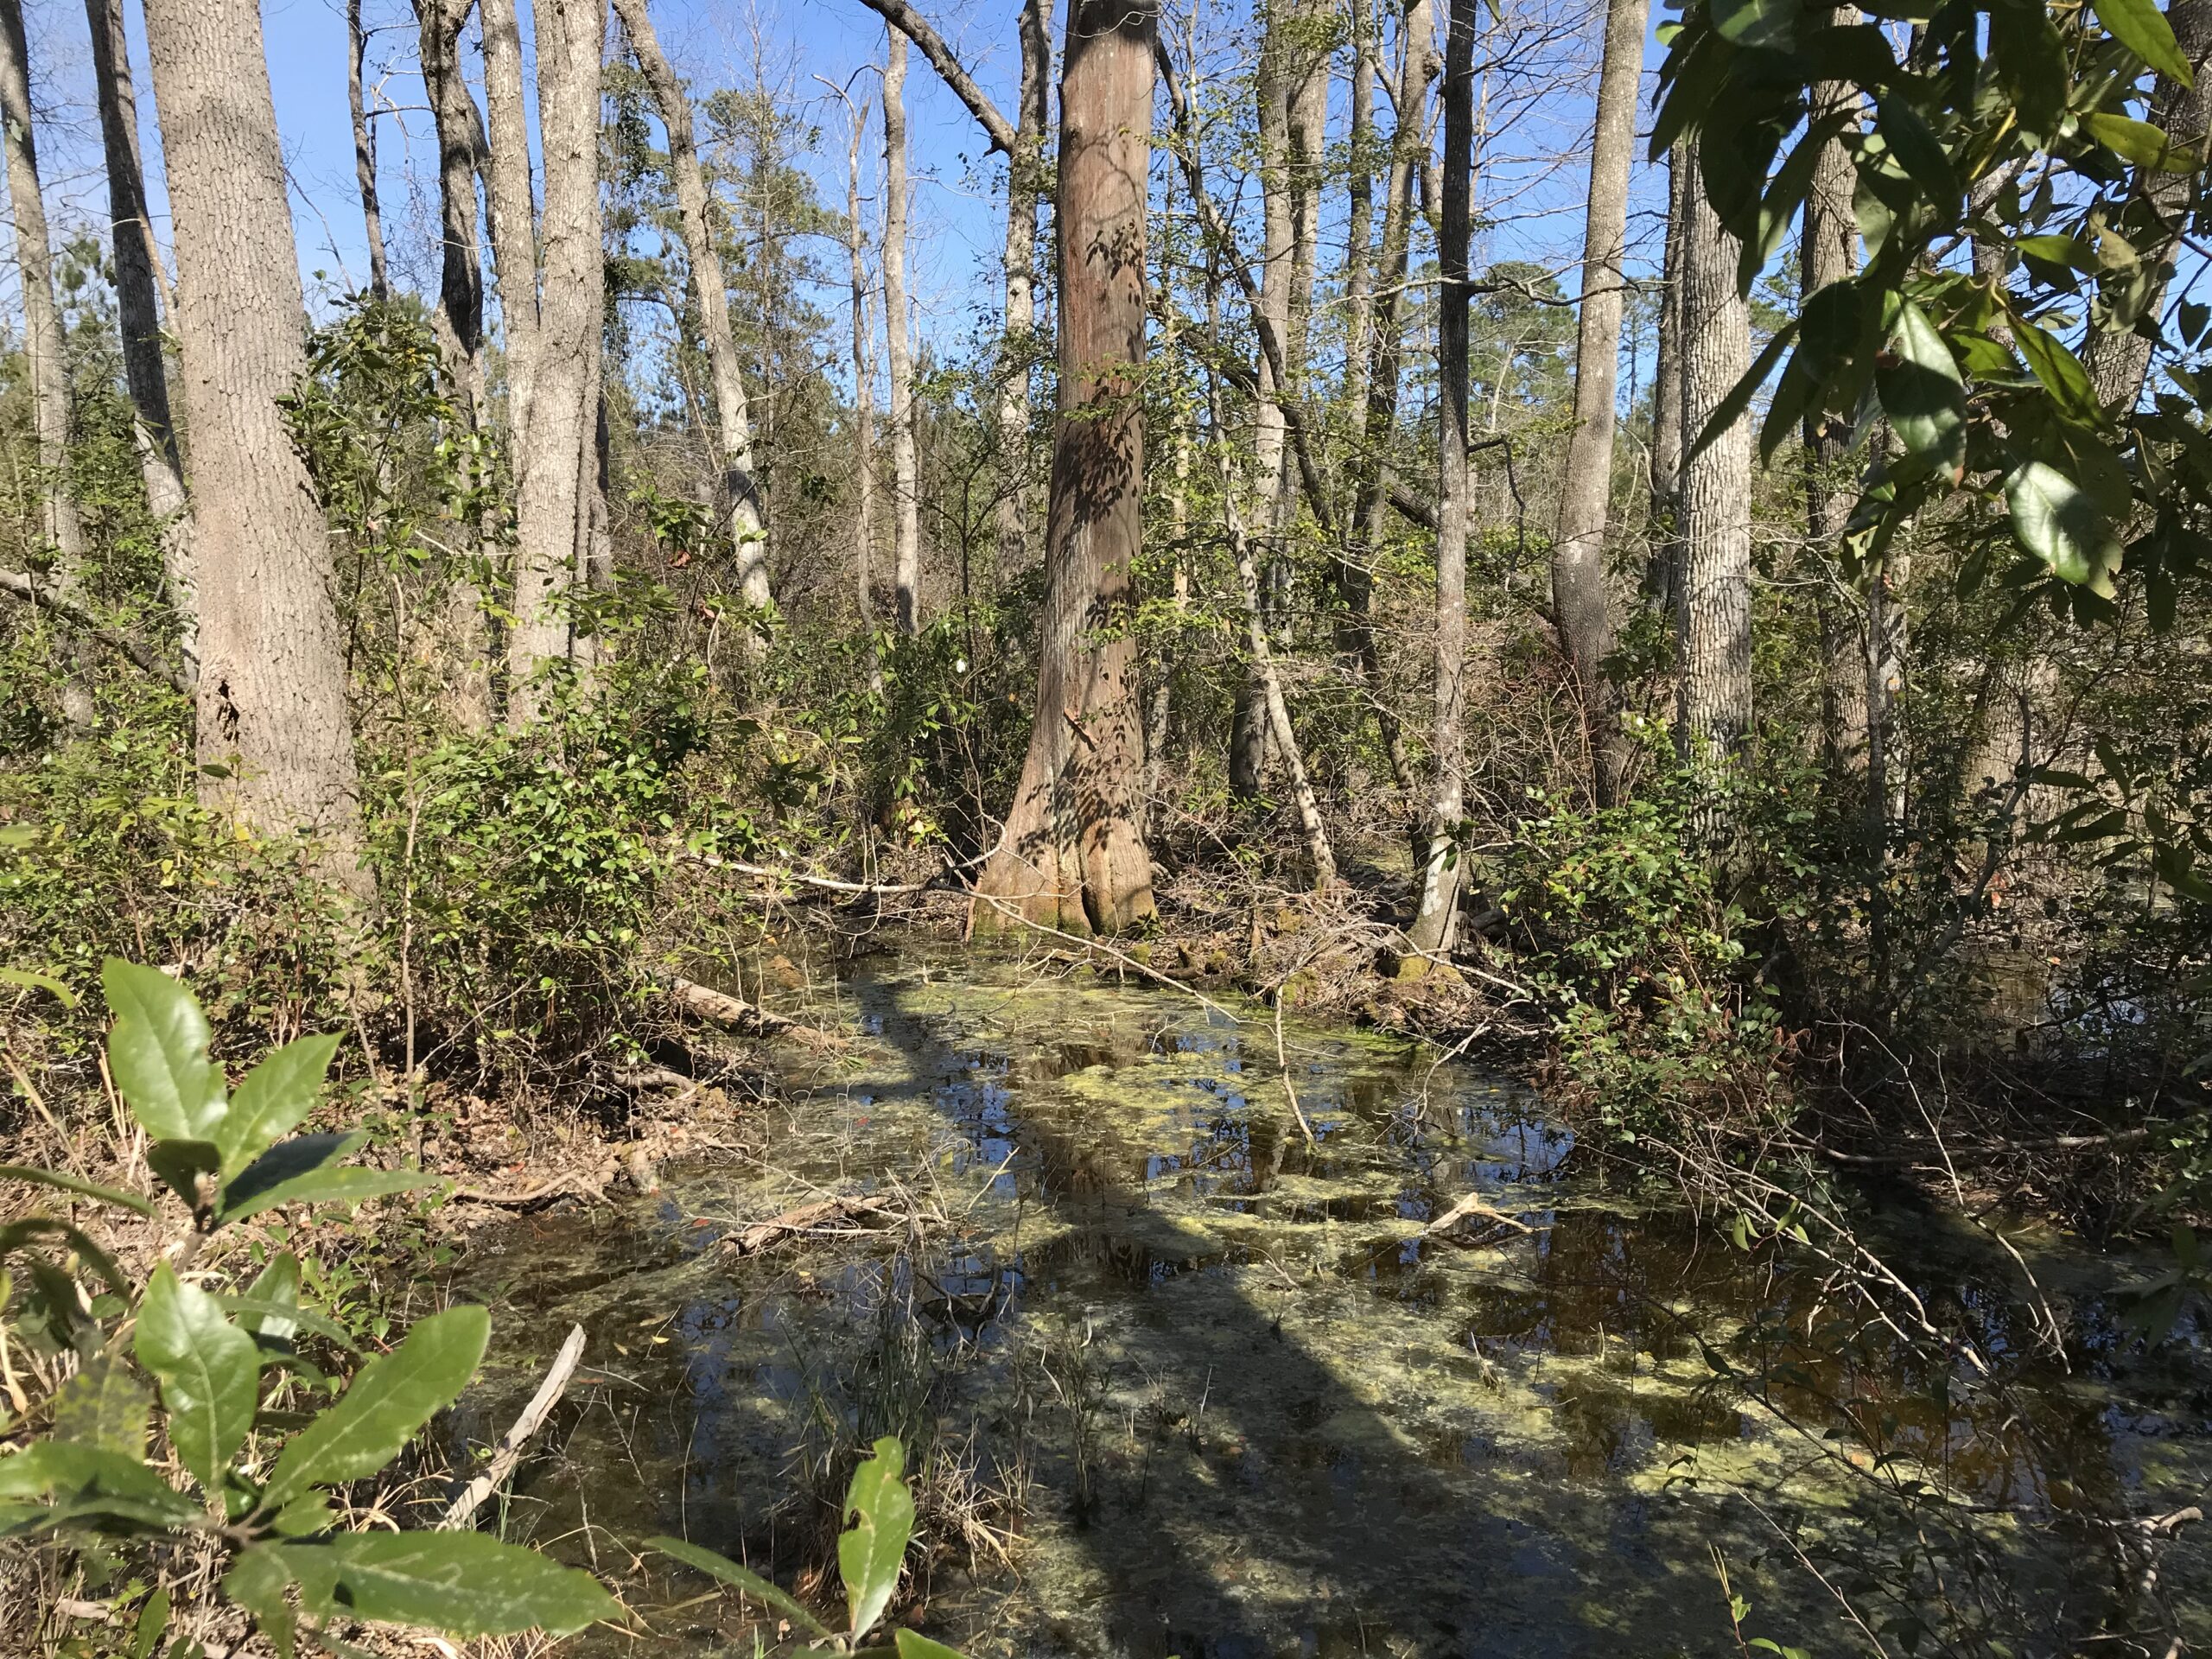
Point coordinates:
[[83, 1189], [152, 1622], [30, 981], [2137, 141], [180, 1164], [1922, 391], [1769, 25], [873, 1549], [208, 1368], [103, 1405], [2030, 61], [389, 1399], [2055, 520], [304, 1170], [66, 1470], [2061, 373], [2140, 26], [273, 1099], [465, 1584], [158, 1053], [1917, 150], [913, 1645], [256, 1582], [743, 1579]]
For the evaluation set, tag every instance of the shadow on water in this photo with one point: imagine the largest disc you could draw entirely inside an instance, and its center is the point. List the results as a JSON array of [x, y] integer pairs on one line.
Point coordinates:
[[1259, 1413]]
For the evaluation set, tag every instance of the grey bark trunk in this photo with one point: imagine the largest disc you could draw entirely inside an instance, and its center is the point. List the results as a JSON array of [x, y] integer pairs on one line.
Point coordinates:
[[556, 438], [273, 726], [906, 507], [138, 318], [511, 206], [863, 403], [1025, 178], [740, 490], [1435, 927], [1072, 854], [364, 151], [44, 346], [1713, 610], [1579, 598], [1663, 573]]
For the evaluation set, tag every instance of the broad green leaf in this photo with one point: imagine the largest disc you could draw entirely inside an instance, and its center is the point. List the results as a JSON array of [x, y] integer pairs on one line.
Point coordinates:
[[272, 1100], [180, 1164], [83, 1189], [389, 1399], [2061, 373], [103, 1405], [71, 1469], [275, 1320], [465, 1584], [2031, 60], [278, 1285], [2056, 521], [1769, 25], [742, 1580], [36, 981], [2140, 26], [1918, 150], [1731, 408], [15, 1232], [158, 1052], [256, 1582], [2137, 141], [208, 1368], [325, 1186], [153, 1621], [912, 1645], [873, 1549], [1922, 392]]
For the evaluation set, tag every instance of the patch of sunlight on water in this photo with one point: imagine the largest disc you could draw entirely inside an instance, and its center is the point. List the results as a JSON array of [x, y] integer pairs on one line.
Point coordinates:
[[1249, 1407]]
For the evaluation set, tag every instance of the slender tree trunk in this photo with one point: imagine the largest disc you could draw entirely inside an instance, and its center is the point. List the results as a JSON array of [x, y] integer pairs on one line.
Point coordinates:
[[1072, 854], [1359, 211], [1578, 597], [275, 741], [740, 490], [364, 151], [1024, 182], [863, 401], [510, 204], [1662, 573], [44, 345], [138, 316], [1713, 610], [551, 477], [1436, 919], [907, 506]]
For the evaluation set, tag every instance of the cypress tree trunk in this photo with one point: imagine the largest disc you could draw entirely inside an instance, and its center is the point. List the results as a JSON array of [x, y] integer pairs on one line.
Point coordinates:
[[1436, 919], [741, 491], [273, 726], [906, 507], [138, 318], [555, 439], [1025, 180], [44, 346], [1713, 610], [1072, 856], [1579, 598]]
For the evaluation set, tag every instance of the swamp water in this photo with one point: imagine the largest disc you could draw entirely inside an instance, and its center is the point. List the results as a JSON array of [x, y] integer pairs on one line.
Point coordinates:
[[1218, 1396]]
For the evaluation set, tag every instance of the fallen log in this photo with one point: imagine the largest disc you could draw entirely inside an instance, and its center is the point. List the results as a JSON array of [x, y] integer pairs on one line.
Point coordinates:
[[822, 1216], [735, 1013]]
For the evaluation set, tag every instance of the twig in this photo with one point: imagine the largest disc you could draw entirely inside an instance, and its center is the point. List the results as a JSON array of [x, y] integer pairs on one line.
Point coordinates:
[[1282, 1066], [1475, 1205], [806, 1218], [512, 1443]]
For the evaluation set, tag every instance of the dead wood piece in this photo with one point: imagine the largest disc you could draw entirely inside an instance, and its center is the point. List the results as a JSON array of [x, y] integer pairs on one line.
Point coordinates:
[[586, 1185], [737, 1015], [509, 1452], [1475, 1205], [844, 1215], [640, 1169]]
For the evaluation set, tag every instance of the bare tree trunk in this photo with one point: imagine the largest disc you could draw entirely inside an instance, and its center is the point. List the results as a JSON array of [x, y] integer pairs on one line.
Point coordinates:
[[138, 316], [1579, 596], [556, 430], [1663, 573], [511, 205], [1359, 211], [464, 635], [1024, 183], [1436, 921], [275, 741], [741, 491], [44, 345], [1714, 611], [364, 151], [1072, 854], [907, 506], [863, 400]]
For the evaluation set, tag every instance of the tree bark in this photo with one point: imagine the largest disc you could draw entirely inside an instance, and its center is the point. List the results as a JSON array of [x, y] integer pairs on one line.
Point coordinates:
[[273, 726], [907, 506], [1579, 598], [138, 318], [1436, 919], [365, 151], [740, 490], [1024, 183], [44, 345], [1663, 571], [511, 205], [1072, 856], [863, 401], [1713, 612], [556, 438]]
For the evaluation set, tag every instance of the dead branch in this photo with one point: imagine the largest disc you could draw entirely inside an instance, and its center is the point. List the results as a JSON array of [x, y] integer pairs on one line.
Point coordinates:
[[32, 592], [824, 1215], [735, 1013], [509, 1452], [1475, 1205]]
